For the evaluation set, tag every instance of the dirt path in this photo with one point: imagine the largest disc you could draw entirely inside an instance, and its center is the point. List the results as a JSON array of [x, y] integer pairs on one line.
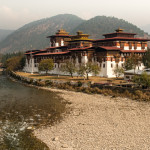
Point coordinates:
[[100, 123]]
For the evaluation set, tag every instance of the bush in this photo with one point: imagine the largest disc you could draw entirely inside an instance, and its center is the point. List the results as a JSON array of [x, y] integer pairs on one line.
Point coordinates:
[[139, 95], [127, 94], [48, 83], [79, 84]]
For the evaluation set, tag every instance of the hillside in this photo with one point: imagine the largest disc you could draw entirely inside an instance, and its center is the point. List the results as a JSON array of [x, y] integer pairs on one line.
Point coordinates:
[[100, 25], [35, 33], [146, 28], [4, 33]]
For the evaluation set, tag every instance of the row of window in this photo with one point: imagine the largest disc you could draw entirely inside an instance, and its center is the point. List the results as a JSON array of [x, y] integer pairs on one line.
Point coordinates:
[[112, 65]]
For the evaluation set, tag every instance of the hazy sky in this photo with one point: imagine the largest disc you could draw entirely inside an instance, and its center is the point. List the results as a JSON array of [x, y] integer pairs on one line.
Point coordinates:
[[16, 13]]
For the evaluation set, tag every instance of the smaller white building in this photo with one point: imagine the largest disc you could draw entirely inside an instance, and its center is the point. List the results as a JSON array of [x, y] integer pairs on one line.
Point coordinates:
[[129, 74]]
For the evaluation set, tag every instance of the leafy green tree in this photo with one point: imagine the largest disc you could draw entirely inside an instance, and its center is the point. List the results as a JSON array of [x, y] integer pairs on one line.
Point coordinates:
[[128, 64], [15, 63], [89, 68], [133, 61], [46, 65], [146, 59], [69, 67], [5, 57], [118, 71], [143, 79]]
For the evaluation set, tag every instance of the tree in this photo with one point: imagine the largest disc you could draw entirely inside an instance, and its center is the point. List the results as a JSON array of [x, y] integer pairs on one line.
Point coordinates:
[[46, 65], [133, 61], [89, 68], [15, 63], [69, 67], [146, 59], [143, 79], [118, 71], [128, 64]]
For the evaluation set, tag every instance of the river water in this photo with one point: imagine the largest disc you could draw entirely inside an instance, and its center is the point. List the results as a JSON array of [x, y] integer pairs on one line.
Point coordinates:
[[22, 109]]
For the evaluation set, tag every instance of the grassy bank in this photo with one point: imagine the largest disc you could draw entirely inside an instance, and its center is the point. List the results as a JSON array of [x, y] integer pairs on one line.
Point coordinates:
[[65, 82], [68, 78]]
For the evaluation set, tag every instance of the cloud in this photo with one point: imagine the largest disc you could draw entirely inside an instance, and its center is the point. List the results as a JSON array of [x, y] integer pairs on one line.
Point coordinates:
[[7, 12], [13, 18]]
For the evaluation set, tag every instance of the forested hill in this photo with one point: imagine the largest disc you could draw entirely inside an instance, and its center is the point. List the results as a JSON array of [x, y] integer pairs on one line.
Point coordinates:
[[4, 33], [146, 28], [35, 33], [100, 25]]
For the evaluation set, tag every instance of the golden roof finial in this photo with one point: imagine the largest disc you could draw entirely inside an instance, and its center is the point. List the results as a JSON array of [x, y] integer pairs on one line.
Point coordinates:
[[79, 32], [61, 31], [119, 30]]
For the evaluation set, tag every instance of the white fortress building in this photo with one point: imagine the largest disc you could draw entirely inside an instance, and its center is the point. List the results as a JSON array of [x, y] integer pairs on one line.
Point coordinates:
[[107, 53]]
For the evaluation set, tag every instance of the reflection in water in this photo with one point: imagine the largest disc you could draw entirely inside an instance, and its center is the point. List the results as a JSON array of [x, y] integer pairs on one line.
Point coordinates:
[[23, 108]]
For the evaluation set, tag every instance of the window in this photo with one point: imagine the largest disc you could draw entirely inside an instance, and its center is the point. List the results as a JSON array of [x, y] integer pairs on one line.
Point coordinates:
[[111, 59], [111, 65], [130, 45], [135, 45], [116, 65], [103, 65], [121, 45], [143, 45]]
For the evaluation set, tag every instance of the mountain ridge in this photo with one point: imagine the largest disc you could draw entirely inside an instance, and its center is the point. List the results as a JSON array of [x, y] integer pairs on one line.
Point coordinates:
[[33, 35], [4, 33], [99, 25]]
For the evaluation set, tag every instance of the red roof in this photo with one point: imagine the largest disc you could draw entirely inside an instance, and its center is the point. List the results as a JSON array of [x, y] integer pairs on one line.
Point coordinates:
[[120, 33], [109, 48], [59, 36], [56, 47], [35, 51], [83, 48], [56, 53], [122, 38], [30, 52], [134, 51]]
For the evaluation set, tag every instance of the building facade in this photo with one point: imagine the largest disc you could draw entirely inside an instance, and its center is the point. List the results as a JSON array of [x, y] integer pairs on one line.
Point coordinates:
[[108, 53]]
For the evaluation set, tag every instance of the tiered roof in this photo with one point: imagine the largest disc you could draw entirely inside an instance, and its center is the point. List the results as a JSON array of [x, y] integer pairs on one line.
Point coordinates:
[[80, 37], [116, 36], [60, 33]]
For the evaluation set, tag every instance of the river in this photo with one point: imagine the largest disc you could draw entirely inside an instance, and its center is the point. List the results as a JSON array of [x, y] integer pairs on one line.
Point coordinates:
[[22, 109]]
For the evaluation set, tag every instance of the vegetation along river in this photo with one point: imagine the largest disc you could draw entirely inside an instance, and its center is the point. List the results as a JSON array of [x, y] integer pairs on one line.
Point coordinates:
[[22, 109]]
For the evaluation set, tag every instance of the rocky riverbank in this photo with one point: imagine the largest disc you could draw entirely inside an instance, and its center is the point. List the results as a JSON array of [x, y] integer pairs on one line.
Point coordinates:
[[99, 122]]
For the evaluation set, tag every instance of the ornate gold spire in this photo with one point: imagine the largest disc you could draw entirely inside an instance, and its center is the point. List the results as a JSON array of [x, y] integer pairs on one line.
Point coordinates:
[[79, 32], [119, 30], [62, 32]]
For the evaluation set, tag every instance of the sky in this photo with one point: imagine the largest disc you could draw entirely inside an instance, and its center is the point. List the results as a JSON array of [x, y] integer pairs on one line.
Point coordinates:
[[16, 13]]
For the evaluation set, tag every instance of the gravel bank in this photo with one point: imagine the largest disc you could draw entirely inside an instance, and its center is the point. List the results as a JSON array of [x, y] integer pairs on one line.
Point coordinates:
[[99, 122]]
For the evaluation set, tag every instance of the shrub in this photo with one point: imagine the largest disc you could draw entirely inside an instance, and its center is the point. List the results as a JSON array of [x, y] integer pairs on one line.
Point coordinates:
[[87, 90], [40, 83], [79, 84], [48, 83], [127, 94], [139, 95], [96, 90]]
